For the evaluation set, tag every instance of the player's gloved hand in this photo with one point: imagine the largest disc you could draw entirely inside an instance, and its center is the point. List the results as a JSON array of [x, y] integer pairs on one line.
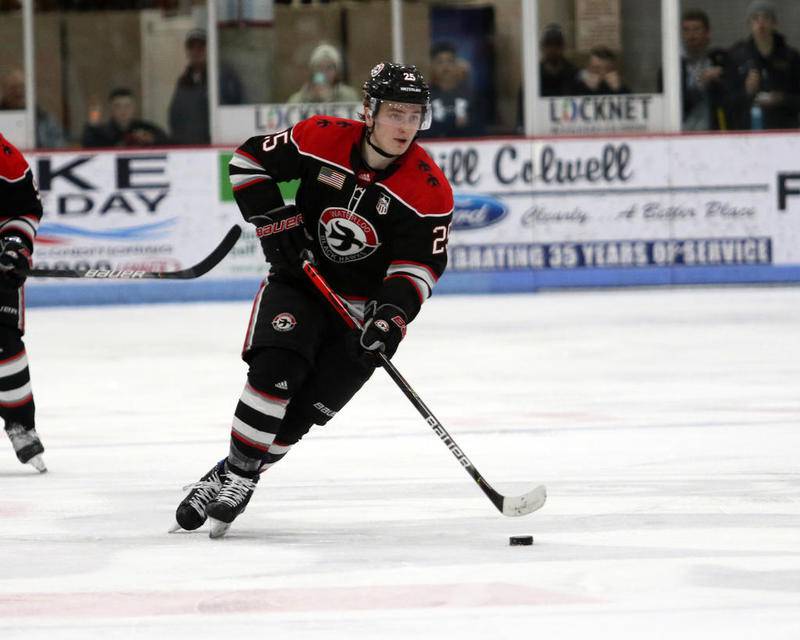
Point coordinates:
[[383, 330], [15, 259], [284, 238]]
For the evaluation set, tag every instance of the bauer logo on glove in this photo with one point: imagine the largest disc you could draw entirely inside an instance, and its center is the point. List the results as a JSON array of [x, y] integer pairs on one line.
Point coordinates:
[[284, 239], [280, 226]]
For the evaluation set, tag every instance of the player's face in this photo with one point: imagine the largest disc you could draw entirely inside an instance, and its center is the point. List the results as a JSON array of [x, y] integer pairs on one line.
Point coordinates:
[[396, 125]]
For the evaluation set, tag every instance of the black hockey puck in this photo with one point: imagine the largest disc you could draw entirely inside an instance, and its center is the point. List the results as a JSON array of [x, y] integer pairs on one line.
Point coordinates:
[[516, 541]]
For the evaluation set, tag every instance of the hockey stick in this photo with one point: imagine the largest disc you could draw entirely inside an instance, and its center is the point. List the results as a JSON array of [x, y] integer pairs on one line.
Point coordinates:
[[507, 505], [201, 268]]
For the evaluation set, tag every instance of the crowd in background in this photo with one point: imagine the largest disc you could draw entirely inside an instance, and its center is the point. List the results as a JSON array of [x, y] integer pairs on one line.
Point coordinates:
[[753, 84]]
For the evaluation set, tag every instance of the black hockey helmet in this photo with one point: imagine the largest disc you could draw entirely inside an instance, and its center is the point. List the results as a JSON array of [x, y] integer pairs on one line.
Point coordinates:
[[390, 82]]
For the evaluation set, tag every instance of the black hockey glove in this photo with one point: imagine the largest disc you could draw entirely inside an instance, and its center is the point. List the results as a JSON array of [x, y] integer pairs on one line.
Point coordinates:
[[284, 239], [15, 260], [383, 330]]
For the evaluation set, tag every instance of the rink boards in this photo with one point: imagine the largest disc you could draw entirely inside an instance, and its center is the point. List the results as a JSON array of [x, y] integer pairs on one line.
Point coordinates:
[[550, 213]]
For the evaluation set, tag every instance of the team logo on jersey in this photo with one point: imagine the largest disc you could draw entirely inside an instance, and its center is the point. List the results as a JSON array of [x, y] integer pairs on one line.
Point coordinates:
[[346, 236], [284, 322], [383, 205]]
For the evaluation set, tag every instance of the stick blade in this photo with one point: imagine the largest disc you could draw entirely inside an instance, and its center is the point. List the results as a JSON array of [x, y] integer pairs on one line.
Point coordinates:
[[207, 263], [201, 268], [525, 504]]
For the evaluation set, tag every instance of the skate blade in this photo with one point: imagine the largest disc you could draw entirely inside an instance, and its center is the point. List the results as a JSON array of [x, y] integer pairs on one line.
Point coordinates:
[[38, 463], [218, 528]]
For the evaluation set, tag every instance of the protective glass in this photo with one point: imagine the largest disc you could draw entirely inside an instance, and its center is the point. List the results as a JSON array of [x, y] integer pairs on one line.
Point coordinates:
[[401, 113]]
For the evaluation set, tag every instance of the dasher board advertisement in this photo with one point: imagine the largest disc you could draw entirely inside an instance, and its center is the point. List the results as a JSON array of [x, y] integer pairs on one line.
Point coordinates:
[[624, 210], [528, 214]]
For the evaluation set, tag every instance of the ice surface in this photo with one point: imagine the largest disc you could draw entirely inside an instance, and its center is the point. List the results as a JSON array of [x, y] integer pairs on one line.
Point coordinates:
[[664, 423]]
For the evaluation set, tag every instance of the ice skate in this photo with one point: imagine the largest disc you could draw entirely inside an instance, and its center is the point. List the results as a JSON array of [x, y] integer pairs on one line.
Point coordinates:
[[191, 512], [27, 446], [231, 501]]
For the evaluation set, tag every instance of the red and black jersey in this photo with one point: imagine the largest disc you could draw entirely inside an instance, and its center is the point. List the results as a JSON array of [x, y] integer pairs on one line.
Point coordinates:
[[20, 205], [377, 235]]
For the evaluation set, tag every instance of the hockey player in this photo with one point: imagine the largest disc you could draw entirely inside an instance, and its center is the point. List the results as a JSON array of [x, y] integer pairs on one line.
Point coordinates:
[[20, 212], [374, 211]]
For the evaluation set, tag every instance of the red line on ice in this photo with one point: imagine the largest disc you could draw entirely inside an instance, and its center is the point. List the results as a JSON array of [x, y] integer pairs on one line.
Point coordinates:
[[158, 603]]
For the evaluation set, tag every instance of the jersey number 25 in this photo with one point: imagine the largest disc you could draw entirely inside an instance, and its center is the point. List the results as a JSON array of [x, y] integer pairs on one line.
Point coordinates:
[[439, 238]]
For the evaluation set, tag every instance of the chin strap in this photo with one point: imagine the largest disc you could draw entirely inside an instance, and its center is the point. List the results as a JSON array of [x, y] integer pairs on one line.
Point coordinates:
[[377, 149]]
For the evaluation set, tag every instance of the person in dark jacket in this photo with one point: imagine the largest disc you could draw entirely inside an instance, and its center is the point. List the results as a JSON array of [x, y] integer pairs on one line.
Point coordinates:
[[123, 129], [188, 109], [702, 71], [763, 75], [557, 75]]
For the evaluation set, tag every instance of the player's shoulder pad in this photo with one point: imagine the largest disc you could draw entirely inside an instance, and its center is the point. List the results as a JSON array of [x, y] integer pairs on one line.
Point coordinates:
[[327, 138], [13, 165], [421, 185]]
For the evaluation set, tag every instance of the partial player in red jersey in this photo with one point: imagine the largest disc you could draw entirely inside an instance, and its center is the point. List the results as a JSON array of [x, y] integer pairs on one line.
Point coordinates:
[[373, 212], [20, 213]]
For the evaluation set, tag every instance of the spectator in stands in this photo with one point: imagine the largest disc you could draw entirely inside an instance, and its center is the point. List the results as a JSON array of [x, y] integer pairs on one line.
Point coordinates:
[[601, 75], [122, 129], [557, 75], [49, 134], [702, 69], [454, 109], [763, 75], [325, 79], [188, 110]]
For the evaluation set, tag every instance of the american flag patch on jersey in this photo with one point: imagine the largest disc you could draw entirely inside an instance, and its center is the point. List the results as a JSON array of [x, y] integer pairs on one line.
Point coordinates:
[[331, 177]]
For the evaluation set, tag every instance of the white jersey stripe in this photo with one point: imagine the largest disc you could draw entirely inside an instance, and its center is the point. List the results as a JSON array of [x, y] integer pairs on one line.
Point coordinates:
[[279, 449], [14, 395], [251, 328], [423, 290], [244, 162], [14, 365], [261, 437], [415, 270], [21, 225], [262, 403], [239, 179], [21, 307], [33, 221]]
